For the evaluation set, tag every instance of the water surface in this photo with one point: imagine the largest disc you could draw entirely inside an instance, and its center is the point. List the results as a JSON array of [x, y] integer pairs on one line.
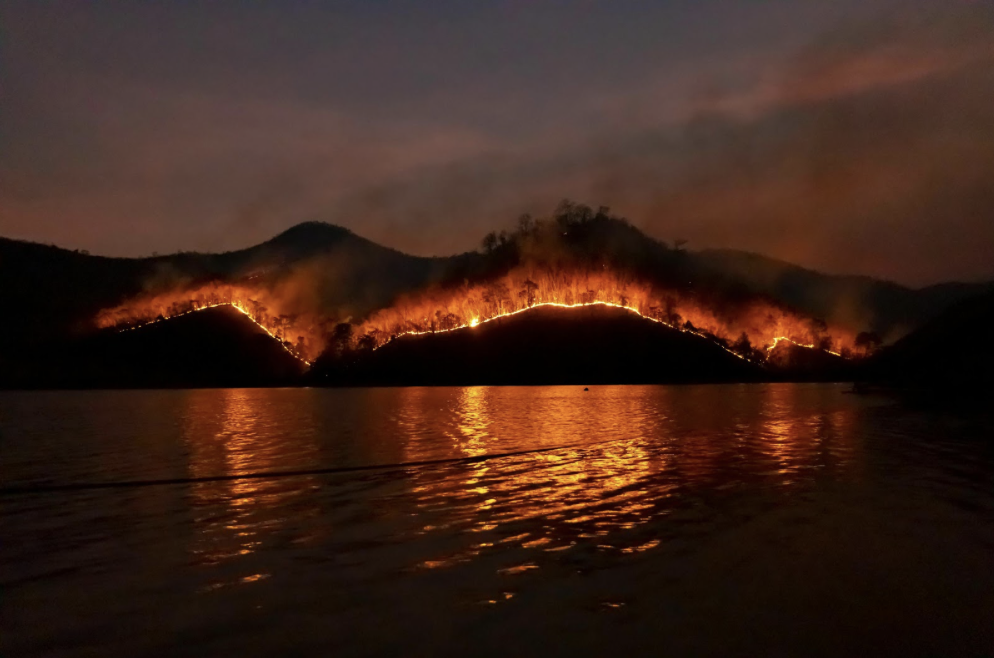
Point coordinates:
[[707, 520]]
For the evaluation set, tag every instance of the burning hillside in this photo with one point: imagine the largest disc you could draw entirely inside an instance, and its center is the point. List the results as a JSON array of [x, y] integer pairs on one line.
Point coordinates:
[[298, 333], [548, 344], [576, 258], [749, 329]]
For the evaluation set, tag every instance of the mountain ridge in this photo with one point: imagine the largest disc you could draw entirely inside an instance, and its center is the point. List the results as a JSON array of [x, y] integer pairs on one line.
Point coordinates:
[[885, 307], [316, 228], [57, 292]]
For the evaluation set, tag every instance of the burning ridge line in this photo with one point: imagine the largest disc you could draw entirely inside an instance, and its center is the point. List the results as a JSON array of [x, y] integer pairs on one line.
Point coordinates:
[[235, 305], [778, 339], [475, 322]]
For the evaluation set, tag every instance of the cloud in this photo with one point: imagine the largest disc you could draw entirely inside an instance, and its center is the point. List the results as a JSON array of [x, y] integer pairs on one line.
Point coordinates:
[[864, 151], [868, 153]]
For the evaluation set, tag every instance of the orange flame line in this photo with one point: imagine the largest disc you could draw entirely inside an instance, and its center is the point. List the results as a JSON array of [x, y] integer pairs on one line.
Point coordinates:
[[778, 339], [235, 305], [475, 322]]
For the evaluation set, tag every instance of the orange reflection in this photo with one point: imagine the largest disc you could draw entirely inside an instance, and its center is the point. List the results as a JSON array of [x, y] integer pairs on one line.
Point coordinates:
[[473, 427], [621, 458], [590, 486], [805, 429], [232, 432]]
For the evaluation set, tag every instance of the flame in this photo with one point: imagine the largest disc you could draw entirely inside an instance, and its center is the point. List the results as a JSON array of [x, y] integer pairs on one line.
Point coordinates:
[[762, 323], [144, 312], [237, 306], [476, 321], [780, 339], [749, 329]]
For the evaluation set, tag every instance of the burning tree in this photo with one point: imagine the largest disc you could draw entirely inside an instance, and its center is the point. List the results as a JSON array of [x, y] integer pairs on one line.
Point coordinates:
[[867, 343]]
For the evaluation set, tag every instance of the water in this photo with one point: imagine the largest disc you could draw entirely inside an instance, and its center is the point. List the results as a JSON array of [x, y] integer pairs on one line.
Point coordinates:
[[703, 520]]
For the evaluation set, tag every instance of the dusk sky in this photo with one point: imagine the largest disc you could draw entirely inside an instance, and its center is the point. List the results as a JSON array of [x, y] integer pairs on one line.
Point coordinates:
[[851, 136]]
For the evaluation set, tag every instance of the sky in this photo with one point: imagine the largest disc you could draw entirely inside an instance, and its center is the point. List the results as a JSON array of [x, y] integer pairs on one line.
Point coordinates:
[[851, 137]]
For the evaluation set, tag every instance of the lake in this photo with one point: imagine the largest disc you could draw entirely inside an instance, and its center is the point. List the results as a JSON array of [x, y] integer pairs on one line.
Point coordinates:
[[781, 519]]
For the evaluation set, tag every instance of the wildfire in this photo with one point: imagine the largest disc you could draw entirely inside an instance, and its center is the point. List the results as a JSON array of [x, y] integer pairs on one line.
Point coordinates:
[[475, 322], [748, 330], [237, 306], [144, 312], [780, 339]]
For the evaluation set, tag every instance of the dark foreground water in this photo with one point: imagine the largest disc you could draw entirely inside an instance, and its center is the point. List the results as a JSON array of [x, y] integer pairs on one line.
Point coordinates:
[[712, 520]]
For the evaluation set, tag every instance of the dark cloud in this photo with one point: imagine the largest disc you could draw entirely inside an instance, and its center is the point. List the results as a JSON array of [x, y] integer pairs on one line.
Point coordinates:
[[853, 138], [868, 153]]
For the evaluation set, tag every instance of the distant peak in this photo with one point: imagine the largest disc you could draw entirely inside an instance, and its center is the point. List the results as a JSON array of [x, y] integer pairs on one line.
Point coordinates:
[[315, 228], [309, 235]]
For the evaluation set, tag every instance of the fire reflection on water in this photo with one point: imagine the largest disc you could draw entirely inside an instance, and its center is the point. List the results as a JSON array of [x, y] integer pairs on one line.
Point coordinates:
[[679, 499], [586, 488], [621, 460], [235, 432], [543, 473], [799, 444]]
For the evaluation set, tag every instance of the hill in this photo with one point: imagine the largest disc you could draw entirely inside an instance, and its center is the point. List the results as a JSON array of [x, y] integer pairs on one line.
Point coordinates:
[[791, 362], [57, 292], [859, 303], [952, 352], [547, 345], [54, 294], [214, 347], [328, 275]]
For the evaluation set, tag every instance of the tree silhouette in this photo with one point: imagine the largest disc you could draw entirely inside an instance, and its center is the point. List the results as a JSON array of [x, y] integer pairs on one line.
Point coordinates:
[[671, 317], [817, 327], [366, 343], [530, 292], [743, 345], [496, 294], [341, 339], [868, 342]]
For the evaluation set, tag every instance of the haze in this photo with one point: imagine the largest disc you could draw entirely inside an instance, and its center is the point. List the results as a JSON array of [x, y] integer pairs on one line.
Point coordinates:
[[852, 138]]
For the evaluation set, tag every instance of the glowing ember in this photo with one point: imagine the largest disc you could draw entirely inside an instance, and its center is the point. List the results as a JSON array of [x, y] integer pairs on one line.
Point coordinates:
[[781, 339], [476, 321], [749, 329], [745, 330], [238, 307], [144, 312]]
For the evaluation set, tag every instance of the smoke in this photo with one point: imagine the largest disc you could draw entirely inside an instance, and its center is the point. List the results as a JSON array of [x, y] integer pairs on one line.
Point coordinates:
[[865, 153], [870, 152], [865, 150], [746, 325]]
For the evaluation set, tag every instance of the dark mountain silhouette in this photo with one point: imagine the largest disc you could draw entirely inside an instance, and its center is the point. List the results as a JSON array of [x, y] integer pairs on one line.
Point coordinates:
[[55, 292], [53, 295], [546, 345], [950, 353], [791, 362], [215, 347], [859, 303]]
